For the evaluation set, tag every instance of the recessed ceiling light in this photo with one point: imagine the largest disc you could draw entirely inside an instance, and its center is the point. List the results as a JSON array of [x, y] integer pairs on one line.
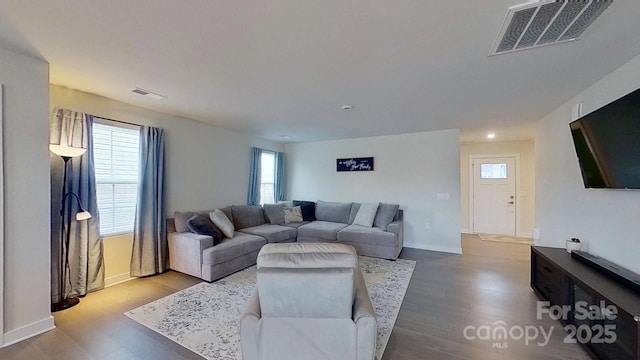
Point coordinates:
[[491, 135], [286, 137], [347, 107]]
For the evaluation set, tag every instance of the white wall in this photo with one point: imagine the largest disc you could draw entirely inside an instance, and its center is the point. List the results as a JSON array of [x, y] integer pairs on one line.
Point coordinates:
[[26, 261], [607, 221], [525, 182], [409, 170]]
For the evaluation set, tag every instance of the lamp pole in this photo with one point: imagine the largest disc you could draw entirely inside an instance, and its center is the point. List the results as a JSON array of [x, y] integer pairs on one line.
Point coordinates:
[[63, 254], [66, 153]]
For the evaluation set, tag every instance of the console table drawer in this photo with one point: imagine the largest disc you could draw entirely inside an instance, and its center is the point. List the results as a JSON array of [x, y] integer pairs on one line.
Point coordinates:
[[549, 290], [550, 271]]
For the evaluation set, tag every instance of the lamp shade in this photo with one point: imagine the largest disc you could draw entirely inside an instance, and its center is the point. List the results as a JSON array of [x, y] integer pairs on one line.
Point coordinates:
[[83, 215], [66, 151]]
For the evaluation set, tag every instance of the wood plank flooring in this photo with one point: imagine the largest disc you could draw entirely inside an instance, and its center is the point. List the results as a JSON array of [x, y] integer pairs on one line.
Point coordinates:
[[489, 283]]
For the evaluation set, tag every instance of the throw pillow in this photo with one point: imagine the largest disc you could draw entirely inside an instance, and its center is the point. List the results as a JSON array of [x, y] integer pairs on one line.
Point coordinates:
[[366, 214], [308, 209], [202, 225], [274, 213], [385, 215], [293, 214], [222, 222], [180, 220]]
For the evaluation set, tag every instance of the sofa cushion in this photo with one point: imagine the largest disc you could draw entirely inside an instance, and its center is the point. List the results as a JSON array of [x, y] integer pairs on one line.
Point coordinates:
[[366, 214], [274, 213], [354, 211], [229, 249], [333, 211], [222, 222], [273, 233], [385, 215], [245, 216], [296, 224], [203, 225], [228, 213], [321, 229], [293, 215], [308, 209], [365, 235], [180, 220]]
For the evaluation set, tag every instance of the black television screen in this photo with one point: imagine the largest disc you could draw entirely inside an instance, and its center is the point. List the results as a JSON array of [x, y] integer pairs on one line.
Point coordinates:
[[607, 142]]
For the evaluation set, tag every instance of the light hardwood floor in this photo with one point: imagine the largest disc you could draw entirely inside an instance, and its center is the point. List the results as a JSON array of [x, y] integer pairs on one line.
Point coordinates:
[[447, 293]]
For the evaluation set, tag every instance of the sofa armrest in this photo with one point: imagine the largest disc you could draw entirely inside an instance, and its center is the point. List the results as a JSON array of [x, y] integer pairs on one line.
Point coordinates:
[[185, 252], [365, 319], [250, 327], [397, 227]]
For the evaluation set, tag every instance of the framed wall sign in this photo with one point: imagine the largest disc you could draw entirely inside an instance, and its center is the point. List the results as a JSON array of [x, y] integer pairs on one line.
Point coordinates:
[[355, 164]]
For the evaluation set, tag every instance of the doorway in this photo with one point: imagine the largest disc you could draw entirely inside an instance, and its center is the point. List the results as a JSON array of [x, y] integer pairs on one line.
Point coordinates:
[[493, 190]]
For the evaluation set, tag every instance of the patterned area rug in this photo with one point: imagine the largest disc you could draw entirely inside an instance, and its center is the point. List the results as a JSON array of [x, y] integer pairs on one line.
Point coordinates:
[[205, 318], [506, 238]]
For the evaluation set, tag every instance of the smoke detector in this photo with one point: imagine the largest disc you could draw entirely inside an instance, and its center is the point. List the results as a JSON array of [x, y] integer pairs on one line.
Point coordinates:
[[546, 22]]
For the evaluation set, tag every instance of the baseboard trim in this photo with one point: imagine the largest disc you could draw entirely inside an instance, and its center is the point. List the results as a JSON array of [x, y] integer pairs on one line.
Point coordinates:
[[526, 235], [466, 231], [117, 279], [445, 249], [27, 331]]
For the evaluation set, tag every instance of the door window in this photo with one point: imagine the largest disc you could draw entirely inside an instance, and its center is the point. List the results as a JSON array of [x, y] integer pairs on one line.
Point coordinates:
[[493, 171]]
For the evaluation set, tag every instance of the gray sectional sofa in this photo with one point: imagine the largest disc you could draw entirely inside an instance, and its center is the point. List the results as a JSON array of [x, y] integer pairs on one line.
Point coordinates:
[[254, 226]]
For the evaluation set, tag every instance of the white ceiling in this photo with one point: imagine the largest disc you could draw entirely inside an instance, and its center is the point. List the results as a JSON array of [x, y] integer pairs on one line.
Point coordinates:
[[285, 67]]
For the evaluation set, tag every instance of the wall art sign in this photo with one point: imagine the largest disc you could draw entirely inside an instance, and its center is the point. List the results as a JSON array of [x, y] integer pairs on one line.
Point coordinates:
[[355, 164]]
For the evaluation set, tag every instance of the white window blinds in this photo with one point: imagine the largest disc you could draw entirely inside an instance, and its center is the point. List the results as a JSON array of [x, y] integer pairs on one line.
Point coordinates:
[[267, 175], [116, 155]]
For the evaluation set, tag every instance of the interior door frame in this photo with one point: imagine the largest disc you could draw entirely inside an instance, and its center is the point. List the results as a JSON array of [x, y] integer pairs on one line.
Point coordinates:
[[471, 188]]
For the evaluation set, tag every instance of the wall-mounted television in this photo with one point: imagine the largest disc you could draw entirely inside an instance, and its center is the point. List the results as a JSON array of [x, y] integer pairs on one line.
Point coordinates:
[[607, 142]]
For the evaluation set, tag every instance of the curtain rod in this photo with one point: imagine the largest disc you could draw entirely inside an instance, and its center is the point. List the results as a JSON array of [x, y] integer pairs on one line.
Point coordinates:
[[118, 121]]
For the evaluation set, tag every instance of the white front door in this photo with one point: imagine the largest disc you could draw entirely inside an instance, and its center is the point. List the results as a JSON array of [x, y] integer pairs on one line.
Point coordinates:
[[494, 195]]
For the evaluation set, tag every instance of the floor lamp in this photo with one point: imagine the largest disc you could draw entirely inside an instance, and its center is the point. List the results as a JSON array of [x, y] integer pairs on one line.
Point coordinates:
[[66, 153]]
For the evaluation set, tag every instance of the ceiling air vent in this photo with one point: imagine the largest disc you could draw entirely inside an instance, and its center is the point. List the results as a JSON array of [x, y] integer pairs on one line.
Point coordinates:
[[148, 94], [546, 22]]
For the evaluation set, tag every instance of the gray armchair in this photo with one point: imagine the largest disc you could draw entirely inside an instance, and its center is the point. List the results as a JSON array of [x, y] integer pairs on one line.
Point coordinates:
[[310, 302]]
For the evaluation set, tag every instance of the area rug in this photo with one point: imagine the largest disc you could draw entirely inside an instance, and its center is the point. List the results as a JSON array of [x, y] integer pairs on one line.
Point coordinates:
[[506, 239], [205, 318]]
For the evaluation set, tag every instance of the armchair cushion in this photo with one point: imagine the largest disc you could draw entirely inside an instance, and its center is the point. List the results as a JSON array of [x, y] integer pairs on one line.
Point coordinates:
[[310, 302]]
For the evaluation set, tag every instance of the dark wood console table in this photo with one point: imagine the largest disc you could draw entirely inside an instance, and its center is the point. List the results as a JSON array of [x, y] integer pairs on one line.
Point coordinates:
[[561, 280]]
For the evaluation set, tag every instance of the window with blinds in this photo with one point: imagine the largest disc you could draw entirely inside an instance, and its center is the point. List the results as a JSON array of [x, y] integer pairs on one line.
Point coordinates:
[[116, 154], [267, 176]]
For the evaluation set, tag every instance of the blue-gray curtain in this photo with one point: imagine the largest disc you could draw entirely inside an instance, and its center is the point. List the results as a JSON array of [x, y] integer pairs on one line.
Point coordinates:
[[149, 255], [279, 178], [86, 264], [253, 194]]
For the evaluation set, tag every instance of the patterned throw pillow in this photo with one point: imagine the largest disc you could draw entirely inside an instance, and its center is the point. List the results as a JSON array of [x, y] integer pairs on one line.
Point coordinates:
[[292, 214]]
